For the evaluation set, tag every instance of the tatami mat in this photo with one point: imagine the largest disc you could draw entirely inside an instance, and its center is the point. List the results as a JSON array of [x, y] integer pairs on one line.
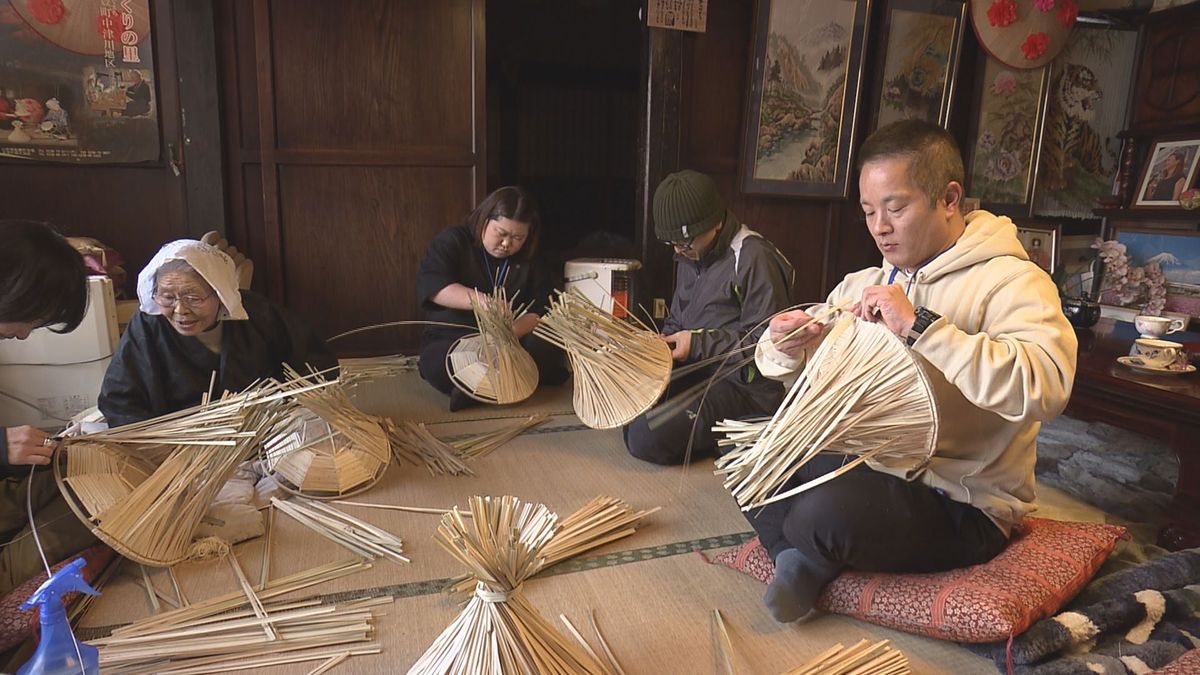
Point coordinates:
[[652, 594]]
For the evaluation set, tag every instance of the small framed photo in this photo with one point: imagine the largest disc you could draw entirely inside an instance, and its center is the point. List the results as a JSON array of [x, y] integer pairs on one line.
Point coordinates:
[[1042, 244], [1169, 171]]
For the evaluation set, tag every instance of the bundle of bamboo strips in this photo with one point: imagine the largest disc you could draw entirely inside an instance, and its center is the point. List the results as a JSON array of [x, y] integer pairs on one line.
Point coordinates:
[[358, 536], [479, 445], [413, 443], [157, 478], [236, 641], [620, 368], [862, 393], [491, 366], [499, 632], [375, 367], [601, 521], [328, 448], [863, 658]]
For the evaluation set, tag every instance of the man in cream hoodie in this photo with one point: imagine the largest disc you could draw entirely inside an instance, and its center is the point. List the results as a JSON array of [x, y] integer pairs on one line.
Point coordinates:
[[987, 326]]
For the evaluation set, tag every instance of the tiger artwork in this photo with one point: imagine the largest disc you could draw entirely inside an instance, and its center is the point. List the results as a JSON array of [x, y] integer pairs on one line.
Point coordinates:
[[1070, 141]]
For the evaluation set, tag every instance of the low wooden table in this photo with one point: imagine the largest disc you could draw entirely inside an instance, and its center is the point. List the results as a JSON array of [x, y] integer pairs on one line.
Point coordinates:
[[1165, 407]]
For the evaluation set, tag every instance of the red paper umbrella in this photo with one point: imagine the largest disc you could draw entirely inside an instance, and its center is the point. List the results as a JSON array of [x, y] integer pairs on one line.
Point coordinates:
[[80, 25]]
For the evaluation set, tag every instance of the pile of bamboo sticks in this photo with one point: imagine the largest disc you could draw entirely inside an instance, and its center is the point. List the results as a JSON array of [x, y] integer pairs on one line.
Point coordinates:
[[227, 633], [413, 443], [601, 521], [375, 367], [328, 448], [491, 366], [360, 537], [157, 478], [482, 444], [620, 368], [499, 632], [862, 394], [863, 658]]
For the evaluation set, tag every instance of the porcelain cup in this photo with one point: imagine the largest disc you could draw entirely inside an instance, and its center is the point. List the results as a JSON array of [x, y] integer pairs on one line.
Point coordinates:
[[1158, 353], [1156, 326]]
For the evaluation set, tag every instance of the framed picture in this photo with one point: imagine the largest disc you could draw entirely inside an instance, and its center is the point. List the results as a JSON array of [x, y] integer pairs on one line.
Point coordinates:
[[1170, 170], [1176, 253], [1007, 129], [1076, 258], [803, 97], [922, 40], [1089, 90], [1042, 245]]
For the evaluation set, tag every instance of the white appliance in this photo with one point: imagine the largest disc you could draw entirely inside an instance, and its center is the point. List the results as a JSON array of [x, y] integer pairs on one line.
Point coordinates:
[[602, 280], [57, 376]]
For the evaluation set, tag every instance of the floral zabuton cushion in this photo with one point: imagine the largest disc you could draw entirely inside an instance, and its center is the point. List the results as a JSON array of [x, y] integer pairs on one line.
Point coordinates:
[[1044, 565]]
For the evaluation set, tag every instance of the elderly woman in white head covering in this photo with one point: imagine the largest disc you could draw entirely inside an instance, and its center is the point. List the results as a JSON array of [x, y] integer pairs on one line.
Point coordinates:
[[193, 321]]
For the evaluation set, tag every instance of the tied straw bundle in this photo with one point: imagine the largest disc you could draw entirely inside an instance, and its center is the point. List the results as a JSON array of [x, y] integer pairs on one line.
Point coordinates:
[[328, 448], [143, 487], [499, 632], [620, 368], [491, 366], [862, 393]]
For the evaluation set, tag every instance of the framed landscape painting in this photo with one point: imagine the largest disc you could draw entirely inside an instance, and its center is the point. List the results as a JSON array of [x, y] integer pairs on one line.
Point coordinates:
[[803, 97]]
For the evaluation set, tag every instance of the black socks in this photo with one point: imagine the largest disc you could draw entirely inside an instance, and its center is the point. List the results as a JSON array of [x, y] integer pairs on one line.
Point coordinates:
[[797, 584]]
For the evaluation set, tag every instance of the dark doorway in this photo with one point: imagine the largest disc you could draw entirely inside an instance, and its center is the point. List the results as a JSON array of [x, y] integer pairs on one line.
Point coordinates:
[[562, 117]]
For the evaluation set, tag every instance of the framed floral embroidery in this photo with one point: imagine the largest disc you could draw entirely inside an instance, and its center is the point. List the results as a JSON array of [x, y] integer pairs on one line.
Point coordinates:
[[1007, 131], [922, 41]]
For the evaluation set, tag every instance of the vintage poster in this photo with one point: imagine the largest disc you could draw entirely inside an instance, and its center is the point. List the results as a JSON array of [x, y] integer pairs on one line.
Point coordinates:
[[77, 81]]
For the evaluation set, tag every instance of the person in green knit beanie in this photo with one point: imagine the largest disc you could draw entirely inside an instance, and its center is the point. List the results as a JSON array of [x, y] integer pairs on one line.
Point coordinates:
[[728, 281]]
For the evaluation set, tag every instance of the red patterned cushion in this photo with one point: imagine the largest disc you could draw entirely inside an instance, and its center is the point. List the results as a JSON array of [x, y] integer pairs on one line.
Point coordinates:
[[1188, 663], [1044, 565], [17, 624]]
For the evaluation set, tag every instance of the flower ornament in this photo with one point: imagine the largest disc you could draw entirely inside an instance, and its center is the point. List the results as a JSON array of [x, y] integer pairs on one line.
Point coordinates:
[[1044, 5], [1035, 45], [1002, 13], [1005, 83], [1068, 11], [49, 12]]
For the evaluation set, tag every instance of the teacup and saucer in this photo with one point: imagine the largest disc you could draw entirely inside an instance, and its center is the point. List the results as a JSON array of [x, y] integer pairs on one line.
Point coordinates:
[[1152, 355]]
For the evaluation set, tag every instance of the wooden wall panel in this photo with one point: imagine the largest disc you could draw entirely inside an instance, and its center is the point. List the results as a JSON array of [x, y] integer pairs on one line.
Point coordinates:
[[353, 241], [372, 75]]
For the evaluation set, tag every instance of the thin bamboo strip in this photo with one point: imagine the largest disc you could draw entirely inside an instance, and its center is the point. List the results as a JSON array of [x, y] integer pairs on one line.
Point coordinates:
[[225, 664], [413, 443], [491, 366], [724, 644], [330, 664], [583, 643], [479, 445], [395, 507], [862, 393], [609, 657], [358, 536], [255, 604], [620, 368], [151, 591], [499, 632]]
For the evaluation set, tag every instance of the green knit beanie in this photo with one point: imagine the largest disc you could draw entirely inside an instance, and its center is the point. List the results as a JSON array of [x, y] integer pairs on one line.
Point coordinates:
[[686, 204]]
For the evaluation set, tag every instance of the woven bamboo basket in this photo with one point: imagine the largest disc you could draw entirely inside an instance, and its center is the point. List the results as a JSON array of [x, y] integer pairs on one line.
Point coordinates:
[[491, 366], [143, 488], [328, 448], [862, 394], [620, 368]]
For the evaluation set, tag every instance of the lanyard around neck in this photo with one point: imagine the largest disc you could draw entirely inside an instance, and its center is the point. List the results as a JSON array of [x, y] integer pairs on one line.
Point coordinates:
[[500, 276]]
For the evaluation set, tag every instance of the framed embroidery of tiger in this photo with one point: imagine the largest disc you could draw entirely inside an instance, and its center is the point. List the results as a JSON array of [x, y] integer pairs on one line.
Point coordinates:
[[1006, 129], [922, 41], [1170, 169], [1090, 83]]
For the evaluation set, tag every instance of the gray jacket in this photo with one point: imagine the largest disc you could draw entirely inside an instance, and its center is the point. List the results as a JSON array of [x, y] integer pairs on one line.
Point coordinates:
[[729, 293]]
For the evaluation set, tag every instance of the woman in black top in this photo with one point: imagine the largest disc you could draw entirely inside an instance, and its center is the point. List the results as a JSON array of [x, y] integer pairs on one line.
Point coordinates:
[[493, 248]]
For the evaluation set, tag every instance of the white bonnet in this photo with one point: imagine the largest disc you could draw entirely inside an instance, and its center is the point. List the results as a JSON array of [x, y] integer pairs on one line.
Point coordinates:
[[211, 263]]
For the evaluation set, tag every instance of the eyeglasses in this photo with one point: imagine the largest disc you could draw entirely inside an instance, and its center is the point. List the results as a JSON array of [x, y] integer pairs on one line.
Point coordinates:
[[189, 301], [682, 246]]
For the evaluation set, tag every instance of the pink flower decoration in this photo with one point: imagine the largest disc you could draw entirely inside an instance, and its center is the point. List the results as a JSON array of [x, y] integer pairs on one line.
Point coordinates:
[[1005, 83], [1002, 13], [48, 12], [1068, 11], [1044, 5], [1035, 45]]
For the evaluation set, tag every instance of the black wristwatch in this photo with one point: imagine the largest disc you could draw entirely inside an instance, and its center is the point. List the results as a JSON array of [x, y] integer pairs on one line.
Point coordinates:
[[925, 317]]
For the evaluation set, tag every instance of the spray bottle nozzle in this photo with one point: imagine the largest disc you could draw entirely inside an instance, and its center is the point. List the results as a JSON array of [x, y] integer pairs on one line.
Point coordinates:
[[67, 579]]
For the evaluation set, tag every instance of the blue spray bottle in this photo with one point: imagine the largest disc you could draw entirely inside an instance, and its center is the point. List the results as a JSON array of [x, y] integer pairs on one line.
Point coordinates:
[[58, 652]]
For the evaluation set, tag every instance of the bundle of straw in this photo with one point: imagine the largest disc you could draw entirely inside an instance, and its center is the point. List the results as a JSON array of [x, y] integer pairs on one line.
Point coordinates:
[[863, 658], [360, 537], [491, 366], [376, 367], [863, 393], [620, 368], [413, 443], [499, 632], [144, 487], [479, 445], [601, 521], [328, 448]]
